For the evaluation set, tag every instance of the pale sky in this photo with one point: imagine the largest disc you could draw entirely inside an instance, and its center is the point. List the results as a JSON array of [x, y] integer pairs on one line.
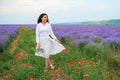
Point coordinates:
[[59, 11]]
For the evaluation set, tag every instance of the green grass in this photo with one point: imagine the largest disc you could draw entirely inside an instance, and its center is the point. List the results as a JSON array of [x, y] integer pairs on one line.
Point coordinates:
[[81, 62]]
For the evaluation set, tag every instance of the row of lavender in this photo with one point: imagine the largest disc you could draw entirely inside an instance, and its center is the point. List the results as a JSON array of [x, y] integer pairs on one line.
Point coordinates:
[[79, 33], [7, 32], [87, 33]]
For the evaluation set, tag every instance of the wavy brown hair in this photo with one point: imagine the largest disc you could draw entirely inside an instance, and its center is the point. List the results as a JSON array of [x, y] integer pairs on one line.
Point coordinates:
[[41, 16]]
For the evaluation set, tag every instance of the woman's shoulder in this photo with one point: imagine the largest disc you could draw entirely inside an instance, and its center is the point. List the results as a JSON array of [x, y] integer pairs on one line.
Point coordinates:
[[49, 24], [38, 23], [38, 26]]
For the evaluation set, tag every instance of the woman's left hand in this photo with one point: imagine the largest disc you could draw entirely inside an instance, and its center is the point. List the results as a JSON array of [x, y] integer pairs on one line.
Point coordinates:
[[57, 40]]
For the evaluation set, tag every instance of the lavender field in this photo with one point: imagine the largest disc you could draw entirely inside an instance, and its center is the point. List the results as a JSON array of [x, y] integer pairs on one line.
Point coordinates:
[[89, 34], [7, 33]]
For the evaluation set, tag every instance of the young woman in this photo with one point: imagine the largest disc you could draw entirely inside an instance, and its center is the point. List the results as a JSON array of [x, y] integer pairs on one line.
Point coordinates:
[[50, 45]]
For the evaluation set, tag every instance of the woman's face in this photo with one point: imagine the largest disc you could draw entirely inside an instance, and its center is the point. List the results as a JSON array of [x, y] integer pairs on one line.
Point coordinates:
[[44, 18]]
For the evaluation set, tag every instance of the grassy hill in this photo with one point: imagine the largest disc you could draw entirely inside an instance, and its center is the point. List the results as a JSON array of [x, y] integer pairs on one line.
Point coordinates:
[[98, 22], [104, 22]]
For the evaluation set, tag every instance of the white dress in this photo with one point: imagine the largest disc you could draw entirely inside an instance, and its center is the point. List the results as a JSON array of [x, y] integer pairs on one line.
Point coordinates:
[[50, 46]]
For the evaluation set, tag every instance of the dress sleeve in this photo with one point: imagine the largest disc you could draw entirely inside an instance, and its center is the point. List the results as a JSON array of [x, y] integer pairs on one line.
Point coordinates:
[[51, 32], [37, 34]]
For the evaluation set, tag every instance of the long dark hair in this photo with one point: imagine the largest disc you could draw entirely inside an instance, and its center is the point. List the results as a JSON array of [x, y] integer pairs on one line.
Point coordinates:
[[41, 16]]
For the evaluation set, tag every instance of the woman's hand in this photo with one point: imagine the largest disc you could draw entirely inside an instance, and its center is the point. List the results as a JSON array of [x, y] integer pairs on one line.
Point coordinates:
[[38, 45], [57, 40]]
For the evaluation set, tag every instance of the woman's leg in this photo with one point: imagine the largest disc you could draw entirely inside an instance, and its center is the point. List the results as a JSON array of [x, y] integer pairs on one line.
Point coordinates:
[[50, 64], [47, 62]]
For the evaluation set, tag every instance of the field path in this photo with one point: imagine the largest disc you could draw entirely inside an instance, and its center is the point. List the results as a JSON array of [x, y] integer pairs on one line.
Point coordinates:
[[15, 42]]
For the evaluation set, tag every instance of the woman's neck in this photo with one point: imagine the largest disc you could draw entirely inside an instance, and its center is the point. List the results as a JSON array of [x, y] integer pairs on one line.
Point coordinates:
[[43, 22]]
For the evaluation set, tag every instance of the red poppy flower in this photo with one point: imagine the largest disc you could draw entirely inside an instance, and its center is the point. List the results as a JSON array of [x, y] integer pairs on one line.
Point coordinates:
[[52, 75], [86, 75], [44, 75], [110, 73], [30, 78], [25, 65]]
